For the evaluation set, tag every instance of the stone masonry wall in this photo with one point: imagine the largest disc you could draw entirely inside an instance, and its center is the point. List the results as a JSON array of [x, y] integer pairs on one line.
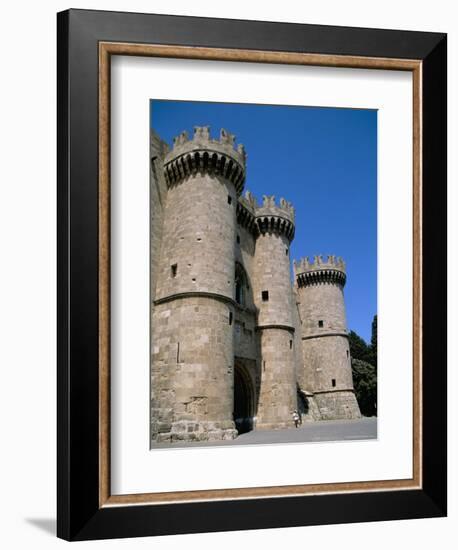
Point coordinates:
[[246, 344], [325, 350], [328, 359], [192, 370], [244, 254], [337, 405], [278, 392], [277, 395], [245, 335], [271, 273], [198, 238], [322, 302], [193, 319], [304, 376], [158, 198]]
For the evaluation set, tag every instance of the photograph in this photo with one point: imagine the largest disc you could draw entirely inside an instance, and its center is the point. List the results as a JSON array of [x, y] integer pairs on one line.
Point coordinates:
[[263, 274]]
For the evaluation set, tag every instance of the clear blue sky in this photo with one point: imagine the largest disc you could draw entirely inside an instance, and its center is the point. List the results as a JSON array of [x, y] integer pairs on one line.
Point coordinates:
[[324, 161]]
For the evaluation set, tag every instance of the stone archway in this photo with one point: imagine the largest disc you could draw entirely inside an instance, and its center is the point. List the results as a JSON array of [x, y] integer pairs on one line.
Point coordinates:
[[243, 399]]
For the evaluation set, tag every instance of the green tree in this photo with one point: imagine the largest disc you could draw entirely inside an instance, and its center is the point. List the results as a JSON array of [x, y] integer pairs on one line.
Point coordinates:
[[364, 370], [365, 384], [358, 347], [374, 342]]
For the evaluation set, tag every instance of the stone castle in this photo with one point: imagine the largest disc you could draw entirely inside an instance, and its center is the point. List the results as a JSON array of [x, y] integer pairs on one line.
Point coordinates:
[[235, 344]]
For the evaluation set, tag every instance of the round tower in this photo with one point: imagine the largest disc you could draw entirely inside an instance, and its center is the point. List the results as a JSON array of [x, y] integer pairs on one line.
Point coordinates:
[[275, 325], [192, 322], [325, 347]]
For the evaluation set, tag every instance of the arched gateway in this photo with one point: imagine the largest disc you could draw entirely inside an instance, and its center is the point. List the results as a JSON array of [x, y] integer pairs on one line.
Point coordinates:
[[244, 399]]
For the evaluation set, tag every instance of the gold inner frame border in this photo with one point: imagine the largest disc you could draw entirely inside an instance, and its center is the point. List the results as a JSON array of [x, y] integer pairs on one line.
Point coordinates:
[[106, 50]]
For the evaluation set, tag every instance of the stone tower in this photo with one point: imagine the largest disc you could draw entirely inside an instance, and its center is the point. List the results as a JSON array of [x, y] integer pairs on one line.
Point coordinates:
[[272, 297], [325, 347], [192, 382]]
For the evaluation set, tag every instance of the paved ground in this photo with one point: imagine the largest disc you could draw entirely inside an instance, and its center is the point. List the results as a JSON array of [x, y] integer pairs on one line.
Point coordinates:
[[330, 430]]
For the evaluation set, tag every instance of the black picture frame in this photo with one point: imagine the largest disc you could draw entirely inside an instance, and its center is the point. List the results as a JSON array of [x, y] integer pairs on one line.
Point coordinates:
[[80, 516]]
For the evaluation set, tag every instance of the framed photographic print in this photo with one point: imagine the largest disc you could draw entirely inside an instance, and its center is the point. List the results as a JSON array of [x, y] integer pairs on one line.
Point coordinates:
[[251, 332]]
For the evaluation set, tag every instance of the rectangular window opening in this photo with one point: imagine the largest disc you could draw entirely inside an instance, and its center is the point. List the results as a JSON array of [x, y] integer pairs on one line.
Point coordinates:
[[333, 381], [238, 239], [265, 295], [173, 270], [229, 199], [290, 344], [320, 324], [347, 353], [230, 317]]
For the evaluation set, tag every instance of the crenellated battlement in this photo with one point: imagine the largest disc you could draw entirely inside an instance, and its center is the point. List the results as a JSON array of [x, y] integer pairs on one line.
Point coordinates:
[[269, 207], [246, 206], [204, 154], [268, 217], [319, 263], [320, 270]]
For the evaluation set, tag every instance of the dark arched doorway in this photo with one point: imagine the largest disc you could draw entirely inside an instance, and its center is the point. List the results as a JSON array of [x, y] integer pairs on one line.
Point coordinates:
[[243, 400]]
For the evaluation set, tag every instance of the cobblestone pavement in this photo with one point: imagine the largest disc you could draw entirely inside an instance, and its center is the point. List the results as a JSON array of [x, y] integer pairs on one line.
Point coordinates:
[[331, 430]]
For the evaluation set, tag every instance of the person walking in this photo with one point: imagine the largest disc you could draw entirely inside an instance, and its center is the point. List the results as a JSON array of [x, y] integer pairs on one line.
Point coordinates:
[[296, 418]]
